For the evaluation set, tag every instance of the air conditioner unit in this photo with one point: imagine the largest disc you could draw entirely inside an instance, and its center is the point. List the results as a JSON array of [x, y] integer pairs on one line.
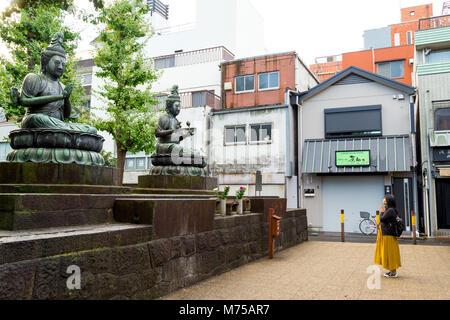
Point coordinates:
[[440, 138]]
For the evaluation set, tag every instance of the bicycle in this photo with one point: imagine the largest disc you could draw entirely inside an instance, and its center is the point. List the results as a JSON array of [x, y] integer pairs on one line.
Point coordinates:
[[367, 225]]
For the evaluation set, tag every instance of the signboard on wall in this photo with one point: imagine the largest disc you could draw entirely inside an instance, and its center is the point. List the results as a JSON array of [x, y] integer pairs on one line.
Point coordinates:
[[352, 158], [441, 154]]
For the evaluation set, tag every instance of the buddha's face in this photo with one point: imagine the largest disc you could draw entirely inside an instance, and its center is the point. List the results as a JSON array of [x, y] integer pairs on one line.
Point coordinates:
[[174, 109], [56, 66]]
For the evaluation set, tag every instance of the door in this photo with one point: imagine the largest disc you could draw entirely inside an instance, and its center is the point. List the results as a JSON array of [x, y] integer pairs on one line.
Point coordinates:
[[443, 203], [403, 197], [353, 194]]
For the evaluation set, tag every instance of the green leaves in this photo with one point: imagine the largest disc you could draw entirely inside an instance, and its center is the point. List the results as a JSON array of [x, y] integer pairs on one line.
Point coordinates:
[[26, 33], [128, 75]]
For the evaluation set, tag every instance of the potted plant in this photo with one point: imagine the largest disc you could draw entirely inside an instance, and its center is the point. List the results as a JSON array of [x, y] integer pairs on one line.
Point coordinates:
[[239, 196], [223, 200]]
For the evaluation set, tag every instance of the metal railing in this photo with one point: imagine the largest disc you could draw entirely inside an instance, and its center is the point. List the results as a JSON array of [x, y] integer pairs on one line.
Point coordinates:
[[193, 57], [195, 99], [200, 99], [434, 22]]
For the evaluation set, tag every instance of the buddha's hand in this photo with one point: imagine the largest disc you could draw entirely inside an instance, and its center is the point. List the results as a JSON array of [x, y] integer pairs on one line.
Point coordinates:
[[67, 91], [15, 96]]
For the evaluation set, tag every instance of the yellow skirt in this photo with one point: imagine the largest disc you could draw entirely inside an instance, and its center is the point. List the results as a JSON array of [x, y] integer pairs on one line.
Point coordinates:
[[387, 252]]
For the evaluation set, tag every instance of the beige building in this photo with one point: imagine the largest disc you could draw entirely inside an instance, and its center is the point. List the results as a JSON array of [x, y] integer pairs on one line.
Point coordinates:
[[357, 144]]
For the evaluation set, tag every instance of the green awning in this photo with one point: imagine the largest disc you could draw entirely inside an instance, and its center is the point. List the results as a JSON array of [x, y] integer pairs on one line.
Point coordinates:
[[387, 154]]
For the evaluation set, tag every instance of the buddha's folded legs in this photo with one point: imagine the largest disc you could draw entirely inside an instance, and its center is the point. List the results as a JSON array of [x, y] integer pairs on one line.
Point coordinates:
[[39, 120]]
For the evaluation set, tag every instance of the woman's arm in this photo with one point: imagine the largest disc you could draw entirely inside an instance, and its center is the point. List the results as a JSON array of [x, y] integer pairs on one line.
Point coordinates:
[[388, 215]]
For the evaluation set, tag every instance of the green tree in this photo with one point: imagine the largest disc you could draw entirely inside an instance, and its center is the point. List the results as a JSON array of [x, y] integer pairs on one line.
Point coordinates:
[[27, 28], [128, 75]]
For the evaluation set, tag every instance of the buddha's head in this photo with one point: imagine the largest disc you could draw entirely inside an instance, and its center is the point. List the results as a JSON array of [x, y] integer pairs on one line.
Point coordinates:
[[173, 102], [53, 58]]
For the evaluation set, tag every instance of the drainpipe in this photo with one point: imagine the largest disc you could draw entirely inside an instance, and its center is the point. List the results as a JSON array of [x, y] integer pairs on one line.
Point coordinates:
[[429, 184], [413, 149], [373, 60], [288, 143]]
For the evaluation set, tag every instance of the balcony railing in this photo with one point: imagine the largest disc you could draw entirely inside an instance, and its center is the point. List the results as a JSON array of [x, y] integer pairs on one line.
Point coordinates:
[[193, 57], [202, 98], [434, 22]]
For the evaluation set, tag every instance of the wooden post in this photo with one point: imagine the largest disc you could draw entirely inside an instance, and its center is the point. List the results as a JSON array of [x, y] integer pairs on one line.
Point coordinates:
[[342, 226], [271, 213], [413, 222]]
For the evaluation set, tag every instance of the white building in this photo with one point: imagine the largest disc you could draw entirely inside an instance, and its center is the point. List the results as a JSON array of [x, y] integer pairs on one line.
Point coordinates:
[[190, 56]]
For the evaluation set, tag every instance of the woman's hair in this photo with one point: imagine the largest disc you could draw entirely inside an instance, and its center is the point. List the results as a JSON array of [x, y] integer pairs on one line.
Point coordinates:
[[390, 200]]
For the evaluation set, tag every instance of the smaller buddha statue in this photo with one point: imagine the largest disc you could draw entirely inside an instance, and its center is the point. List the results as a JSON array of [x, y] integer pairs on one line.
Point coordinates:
[[44, 135], [170, 157]]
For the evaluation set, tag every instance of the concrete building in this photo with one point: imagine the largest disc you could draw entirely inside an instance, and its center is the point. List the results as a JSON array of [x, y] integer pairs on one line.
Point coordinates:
[[357, 141], [189, 56], [257, 128], [433, 81], [388, 51]]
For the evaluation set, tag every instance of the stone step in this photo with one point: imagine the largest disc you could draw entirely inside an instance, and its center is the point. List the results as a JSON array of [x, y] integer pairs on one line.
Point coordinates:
[[94, 189], [35, 244], [169, 217], [33, 211]]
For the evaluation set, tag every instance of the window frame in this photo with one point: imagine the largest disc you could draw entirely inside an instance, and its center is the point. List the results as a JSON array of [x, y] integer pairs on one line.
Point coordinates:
[[390, 68], [268, 82], [235, 142], [250, 141], [244, 91], [354, 134]]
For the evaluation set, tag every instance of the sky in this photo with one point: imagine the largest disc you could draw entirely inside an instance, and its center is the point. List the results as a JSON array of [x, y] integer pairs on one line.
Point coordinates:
[[311, 28]]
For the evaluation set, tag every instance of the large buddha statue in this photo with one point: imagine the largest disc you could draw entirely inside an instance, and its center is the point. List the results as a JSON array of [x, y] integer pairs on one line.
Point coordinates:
[[170, 157], [44, 135]]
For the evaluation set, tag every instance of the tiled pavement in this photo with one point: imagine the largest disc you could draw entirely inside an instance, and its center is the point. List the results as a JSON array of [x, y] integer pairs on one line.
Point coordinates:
[[317, 270]]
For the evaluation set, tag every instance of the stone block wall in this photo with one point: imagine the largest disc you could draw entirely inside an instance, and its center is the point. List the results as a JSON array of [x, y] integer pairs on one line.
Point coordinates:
[[151, 269]]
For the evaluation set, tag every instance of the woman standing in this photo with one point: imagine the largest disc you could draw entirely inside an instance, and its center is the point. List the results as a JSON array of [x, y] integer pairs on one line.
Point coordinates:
[[387, 251]]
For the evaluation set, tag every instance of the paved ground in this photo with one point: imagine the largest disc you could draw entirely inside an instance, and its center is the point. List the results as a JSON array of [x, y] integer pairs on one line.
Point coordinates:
[[317, 270]]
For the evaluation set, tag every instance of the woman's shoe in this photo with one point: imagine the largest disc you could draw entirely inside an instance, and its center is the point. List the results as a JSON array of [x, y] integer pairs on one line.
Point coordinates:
[[391, 275]]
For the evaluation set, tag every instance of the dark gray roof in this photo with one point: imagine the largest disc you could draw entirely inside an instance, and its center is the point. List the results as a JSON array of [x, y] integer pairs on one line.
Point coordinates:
[[387, 154], [350, 75]]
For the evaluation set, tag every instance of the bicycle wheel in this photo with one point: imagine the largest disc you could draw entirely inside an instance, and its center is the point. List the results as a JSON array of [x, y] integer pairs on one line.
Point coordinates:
[[367, 226]]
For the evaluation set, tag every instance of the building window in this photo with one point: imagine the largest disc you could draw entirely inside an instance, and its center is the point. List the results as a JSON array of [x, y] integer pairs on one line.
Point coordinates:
[[412, 13], [409, 37], [161, 104], [261, 133], [353, 122], [442, 119], [235, 135], [396, 39], [268, 81], [5, 148], [245, 84], [135, 163], [439, 56], [130, 163], [165, 62], [392, 69], [87, 79], [140, 163]]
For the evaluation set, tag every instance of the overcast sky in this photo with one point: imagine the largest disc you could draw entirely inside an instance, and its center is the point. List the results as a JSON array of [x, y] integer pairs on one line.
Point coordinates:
[[311, 28]]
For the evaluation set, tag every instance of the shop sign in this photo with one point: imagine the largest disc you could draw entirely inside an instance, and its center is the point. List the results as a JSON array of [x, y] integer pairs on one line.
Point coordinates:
[[352, 158], [441, 154]]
